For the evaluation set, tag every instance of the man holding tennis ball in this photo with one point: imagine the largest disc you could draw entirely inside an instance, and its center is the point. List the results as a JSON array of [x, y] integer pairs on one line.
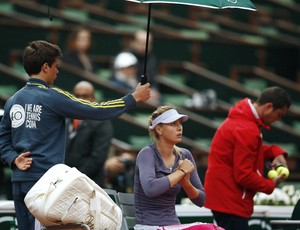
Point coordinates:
[[237, 157]]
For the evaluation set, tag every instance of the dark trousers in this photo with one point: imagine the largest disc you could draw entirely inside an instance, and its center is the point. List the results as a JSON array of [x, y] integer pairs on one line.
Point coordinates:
[[25, 219], [229, 221]]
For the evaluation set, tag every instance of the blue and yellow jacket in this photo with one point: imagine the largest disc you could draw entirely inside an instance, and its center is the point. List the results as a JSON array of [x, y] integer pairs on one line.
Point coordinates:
[[34, 120]]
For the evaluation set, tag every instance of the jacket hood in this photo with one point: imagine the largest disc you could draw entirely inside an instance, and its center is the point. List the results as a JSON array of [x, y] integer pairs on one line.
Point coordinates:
[[242, 110]]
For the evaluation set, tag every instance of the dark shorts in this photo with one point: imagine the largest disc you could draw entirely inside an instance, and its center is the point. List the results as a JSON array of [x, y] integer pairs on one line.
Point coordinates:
[[230, 221]]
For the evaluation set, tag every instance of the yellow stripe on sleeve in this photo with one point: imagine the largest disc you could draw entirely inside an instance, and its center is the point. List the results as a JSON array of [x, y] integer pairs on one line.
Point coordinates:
[[107, 104]]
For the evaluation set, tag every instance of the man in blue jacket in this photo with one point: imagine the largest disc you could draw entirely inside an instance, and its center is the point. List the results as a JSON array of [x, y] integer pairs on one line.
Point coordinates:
[[33, 131]]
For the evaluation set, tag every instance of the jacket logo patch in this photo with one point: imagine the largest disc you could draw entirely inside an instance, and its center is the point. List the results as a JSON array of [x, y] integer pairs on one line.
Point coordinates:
[[30, 115]]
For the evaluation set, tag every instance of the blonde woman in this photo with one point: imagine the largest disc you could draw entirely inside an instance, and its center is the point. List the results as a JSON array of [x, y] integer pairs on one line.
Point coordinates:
[[162, 169]]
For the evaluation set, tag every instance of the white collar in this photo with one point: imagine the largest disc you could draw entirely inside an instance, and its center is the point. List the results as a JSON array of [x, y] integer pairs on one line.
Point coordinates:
[[253, 109]]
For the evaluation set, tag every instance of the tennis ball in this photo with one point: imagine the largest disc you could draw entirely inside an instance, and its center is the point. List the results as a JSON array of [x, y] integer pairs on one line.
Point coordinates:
[[283, 170], [279, 169], [272, 174]]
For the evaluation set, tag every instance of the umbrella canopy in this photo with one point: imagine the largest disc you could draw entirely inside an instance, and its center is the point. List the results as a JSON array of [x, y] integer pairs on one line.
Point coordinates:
[[217, 4]]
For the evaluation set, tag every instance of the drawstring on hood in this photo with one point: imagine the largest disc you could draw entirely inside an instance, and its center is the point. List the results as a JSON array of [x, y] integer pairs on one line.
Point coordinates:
[[50, 17]]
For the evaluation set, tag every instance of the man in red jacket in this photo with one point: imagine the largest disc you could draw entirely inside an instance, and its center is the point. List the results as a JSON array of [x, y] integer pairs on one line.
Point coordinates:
[[236, 159]]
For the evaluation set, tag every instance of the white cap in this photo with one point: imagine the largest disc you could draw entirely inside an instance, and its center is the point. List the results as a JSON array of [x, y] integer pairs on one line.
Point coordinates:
[[169, 116], [124, 60]]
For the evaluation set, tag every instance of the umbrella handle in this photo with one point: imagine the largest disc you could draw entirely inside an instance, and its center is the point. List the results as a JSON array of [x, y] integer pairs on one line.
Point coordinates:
[[144, 79], [144, 76]]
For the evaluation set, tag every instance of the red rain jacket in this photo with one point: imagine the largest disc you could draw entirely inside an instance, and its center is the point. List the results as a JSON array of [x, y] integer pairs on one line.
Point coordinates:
[[236, 163]]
